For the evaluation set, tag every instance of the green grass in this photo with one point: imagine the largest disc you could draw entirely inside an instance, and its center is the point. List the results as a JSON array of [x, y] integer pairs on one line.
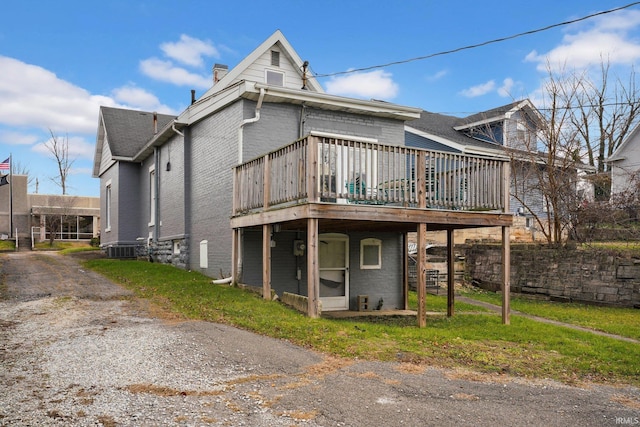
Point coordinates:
[[7, 245], [438, 303], [613, 320], [65, 247], [478, 342]]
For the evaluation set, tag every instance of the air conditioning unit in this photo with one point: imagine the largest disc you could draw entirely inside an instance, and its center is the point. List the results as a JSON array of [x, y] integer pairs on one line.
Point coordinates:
[[121, 252]]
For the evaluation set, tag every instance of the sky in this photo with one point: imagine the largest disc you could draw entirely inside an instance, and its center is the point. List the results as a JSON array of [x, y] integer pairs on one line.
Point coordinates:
[[60, 61]]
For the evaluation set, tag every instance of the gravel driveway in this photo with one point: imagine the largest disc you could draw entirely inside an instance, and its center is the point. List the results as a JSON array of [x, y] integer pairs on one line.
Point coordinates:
[[76, 349]]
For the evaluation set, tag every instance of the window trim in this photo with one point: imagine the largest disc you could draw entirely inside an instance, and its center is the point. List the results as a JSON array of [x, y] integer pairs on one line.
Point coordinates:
[[370, 242], [108, 201], [152, 195]]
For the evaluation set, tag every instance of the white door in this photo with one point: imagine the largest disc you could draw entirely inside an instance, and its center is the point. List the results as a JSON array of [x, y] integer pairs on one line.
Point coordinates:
[[333, 254]]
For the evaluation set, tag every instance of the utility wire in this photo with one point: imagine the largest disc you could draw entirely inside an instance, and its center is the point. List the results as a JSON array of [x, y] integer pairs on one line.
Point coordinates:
[[473, 46]]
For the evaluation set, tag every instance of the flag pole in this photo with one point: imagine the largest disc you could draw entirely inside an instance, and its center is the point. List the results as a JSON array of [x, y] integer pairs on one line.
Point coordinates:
[[11, 193]]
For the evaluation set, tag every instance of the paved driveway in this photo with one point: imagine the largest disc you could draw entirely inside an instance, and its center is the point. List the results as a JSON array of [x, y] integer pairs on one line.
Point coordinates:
[[76, 349]]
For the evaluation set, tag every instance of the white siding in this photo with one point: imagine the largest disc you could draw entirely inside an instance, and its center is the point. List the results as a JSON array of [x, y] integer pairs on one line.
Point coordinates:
[[256, 71]]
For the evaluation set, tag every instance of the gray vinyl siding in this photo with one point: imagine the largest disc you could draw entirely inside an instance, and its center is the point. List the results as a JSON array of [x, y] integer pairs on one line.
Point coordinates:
[[110, 236], [171, 191], [125, 206], [256, 71], [129, 202]]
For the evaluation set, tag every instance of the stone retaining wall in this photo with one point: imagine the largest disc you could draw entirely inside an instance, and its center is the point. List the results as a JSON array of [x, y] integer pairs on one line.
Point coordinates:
[[591, 276]]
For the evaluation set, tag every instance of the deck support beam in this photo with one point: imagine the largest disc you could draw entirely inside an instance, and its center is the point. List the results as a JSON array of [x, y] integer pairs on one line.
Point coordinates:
[[422, 275], [506, 275], [235, 255], [405, 271], [313, 270], [266, 261], [451, 272]]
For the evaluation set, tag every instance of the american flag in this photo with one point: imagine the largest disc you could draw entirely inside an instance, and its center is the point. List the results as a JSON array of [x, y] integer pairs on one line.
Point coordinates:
[[5, 164]]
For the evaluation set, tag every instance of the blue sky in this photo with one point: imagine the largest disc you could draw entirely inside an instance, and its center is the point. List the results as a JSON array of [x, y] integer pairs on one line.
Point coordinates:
[[59, 61]]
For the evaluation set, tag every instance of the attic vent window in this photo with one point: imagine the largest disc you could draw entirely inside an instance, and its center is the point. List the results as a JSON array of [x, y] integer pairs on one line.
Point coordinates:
[[274, 78], [275, 58]]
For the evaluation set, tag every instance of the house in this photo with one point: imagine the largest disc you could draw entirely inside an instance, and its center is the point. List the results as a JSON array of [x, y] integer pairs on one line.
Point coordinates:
[[511, 130], [268, 181], [35, 216], [624, 164]]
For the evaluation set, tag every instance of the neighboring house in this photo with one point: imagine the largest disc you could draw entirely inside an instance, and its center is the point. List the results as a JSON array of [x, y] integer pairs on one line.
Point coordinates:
[[624, 164], [507, 131], [266, 170], [76, 218]]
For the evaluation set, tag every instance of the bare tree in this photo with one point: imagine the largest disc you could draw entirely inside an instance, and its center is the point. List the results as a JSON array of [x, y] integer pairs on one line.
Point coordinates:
[[20, 169], [59, 149], [55, 220], [604, 112]]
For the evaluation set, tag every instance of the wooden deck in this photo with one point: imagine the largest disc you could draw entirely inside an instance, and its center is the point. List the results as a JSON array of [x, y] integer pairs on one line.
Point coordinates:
[[323, 184]]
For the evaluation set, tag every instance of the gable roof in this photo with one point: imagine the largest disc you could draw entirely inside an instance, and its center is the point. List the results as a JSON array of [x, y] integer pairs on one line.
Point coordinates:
[[618, 155], [126, 132], [276, 39], [442, 128], [498, 114]]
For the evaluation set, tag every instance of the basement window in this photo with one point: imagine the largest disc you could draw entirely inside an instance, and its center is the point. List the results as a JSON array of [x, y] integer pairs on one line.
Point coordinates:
[[370, 254]]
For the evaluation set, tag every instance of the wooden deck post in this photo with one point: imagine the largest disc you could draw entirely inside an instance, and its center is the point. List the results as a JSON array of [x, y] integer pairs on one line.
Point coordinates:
[[266, 261], [313, 271], [506, 275], [311, 171], [422, 275], [235, 236], [451, 272], [405, 271]]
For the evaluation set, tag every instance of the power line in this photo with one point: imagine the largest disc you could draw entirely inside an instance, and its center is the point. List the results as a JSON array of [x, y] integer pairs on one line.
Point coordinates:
[[473, 46]]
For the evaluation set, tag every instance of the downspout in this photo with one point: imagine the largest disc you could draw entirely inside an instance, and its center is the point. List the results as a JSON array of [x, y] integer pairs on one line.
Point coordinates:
[[247, 121], [173, 128], [240, 148]]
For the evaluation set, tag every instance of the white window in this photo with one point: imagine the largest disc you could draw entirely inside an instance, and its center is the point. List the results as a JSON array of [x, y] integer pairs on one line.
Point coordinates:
[[152, 195], [274, 78], [107, 197], [370, 254]]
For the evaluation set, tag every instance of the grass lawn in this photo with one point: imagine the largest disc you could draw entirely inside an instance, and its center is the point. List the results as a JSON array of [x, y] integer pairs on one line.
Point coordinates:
[[475, 341], [619, 321]]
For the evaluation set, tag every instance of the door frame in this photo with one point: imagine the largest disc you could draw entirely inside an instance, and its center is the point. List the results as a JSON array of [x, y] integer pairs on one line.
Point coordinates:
[[338, 302]]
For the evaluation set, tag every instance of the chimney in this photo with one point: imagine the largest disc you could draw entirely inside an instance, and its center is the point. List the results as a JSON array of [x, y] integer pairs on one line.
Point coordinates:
[[193, 96], [155, 122], [219, 71]]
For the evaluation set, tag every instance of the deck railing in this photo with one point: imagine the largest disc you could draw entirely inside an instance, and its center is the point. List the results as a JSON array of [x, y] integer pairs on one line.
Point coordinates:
[[323, 169]]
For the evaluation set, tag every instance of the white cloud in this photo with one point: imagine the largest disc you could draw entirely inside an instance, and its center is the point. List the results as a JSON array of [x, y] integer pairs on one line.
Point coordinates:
[[606, 38], [479, 90], [17, 138], [437, 76], [139, 98], [505, 90], [166, 71], [374, 84], [34, 96], [189, 50], [79, 148]]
